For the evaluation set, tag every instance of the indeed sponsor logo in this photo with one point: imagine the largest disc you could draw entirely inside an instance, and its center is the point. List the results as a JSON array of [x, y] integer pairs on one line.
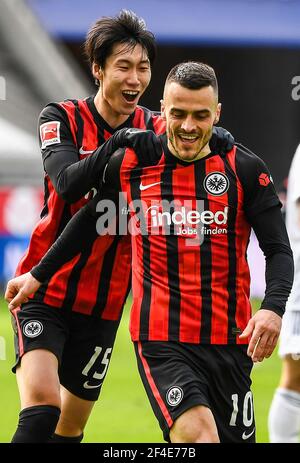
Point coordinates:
[[184, 216]]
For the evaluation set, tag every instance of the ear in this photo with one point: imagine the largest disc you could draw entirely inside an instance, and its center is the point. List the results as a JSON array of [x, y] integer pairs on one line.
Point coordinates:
[[218, 113], [162, 109], [97, 72]]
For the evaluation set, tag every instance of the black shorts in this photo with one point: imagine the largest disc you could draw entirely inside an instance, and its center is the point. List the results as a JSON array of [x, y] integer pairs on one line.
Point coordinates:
[[82, 344], [179, 376]]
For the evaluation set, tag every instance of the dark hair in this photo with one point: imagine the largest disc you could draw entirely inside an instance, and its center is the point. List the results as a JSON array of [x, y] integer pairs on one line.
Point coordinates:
[[193, 75], [125, 28]]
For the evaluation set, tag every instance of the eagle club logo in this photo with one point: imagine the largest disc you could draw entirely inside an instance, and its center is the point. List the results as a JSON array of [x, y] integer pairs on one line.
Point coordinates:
[[216, 183], [33, 329], [174, 395]]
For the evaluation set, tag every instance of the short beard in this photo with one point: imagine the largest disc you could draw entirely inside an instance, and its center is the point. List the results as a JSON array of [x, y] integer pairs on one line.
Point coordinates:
[[197, 153]]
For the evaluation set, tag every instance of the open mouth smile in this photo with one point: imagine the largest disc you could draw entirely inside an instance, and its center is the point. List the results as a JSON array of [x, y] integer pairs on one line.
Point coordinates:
[[130, 95]]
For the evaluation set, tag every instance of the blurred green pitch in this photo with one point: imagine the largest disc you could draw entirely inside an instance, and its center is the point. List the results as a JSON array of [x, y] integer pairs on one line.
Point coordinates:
[[123, 413]]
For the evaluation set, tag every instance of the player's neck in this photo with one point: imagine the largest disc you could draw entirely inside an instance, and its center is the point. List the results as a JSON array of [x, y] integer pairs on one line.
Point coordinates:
[[112, 118], [204, 152]]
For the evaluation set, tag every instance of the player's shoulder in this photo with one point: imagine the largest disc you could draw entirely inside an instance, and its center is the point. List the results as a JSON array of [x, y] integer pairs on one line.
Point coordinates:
[[247, 157], [58, 110], [248, 164], [149, 119]]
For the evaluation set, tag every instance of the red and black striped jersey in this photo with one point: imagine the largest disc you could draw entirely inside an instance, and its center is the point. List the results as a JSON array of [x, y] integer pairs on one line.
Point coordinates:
[[189, 239], [97, 280], [190, 225]]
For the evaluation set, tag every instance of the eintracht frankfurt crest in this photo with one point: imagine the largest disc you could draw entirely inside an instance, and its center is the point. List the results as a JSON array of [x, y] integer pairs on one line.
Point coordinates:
[[33, 329], [216, 183]]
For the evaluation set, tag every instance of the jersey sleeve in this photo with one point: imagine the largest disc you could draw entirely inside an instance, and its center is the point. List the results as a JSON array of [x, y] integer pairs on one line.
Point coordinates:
[[257, 183], [273, 239], [81, 231], [111, 176], [54, 131], [72, 178]]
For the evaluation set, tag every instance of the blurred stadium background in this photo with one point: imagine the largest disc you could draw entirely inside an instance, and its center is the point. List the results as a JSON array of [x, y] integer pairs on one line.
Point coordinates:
[[254, 46]]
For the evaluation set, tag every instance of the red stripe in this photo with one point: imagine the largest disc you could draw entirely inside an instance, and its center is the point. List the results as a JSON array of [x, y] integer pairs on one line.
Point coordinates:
[[20, 337], [44, 233], [119, 280], [90, 131], [159, 306], [154, 389], [129, 162], [220, 256], [242, 230], [189, 259], [88, 285], [159, 125], [106, 134], [139, 119], [69, 107], [57, 287]]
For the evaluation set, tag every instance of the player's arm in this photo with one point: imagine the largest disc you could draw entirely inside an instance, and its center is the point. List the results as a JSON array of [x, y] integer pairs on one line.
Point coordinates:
[[80, 233], [264, 327], [73, 178], [262, 208]]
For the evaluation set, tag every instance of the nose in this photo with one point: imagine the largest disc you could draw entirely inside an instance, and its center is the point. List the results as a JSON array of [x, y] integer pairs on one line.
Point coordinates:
[[132, 77], [188, 125]]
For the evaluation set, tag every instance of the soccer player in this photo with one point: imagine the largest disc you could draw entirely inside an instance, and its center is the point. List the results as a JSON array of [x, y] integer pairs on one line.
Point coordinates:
[[191, 216], [284, 416], [66, 332]]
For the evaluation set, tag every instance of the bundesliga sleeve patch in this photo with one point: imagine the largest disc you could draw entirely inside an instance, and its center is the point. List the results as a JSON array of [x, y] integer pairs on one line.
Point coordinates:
[[50, 133]]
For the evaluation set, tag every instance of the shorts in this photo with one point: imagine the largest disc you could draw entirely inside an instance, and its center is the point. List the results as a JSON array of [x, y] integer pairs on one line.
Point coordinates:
[[290, 334], [82, 344], [179, 376]]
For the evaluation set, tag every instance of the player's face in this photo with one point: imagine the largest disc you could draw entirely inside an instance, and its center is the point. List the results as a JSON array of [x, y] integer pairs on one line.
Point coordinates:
[[190, 116], [123, 80]]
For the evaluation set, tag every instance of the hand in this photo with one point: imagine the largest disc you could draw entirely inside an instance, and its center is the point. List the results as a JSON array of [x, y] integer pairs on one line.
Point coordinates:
[[264, 329], [145, 144], [221, 141], [19, 289]]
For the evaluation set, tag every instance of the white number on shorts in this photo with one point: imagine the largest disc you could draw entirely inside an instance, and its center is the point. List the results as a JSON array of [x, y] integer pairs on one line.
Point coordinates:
[[105, 361], [248, 404]]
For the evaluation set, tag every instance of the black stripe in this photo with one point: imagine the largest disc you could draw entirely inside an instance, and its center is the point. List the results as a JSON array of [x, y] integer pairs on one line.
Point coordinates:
[[148, 119], [74, 278], [45, 210], [79, 124], [205, 259], [105, 277], [172, 256], [232, 264]]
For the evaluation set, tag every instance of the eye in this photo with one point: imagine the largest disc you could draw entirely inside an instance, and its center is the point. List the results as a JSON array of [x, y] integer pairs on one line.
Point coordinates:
[[177, 114], [202, 116]]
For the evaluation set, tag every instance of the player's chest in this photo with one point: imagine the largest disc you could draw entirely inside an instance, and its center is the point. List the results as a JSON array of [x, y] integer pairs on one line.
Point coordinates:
[[184, 185]]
